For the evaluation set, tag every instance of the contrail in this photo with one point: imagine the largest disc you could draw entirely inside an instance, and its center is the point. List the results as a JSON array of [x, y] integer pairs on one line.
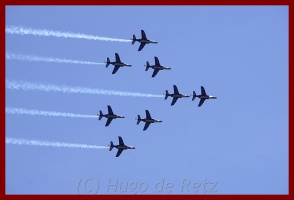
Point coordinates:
[[50, 33], [26, 86], [33, 58], [19, 141], [21, 111]]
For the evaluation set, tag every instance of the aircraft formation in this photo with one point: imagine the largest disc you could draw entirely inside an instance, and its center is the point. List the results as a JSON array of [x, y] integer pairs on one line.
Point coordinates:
[[148, 120]]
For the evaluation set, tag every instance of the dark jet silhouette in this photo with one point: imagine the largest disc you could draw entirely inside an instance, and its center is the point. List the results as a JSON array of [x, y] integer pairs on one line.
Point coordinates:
[[121, 146], [143, 40], [175, 95], [117, 64], [156, 67], [110, 116], [203, 96], [148, 120]]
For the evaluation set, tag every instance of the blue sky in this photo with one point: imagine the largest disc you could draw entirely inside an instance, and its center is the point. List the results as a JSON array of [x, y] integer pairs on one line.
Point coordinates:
[[236, 144]]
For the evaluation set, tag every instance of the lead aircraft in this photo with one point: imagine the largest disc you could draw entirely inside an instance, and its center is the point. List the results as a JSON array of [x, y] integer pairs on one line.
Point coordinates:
[[203, 96]]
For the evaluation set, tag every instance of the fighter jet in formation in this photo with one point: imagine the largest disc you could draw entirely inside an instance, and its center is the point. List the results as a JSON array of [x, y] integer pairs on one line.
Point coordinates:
[[148, 120], [156, 67], [121, 146], [203, 96], [117, 64], [143, 40], [175, 95], [110, 116]]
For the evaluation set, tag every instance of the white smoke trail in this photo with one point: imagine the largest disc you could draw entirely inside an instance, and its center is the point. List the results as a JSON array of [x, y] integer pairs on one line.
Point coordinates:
[[21, 85], [21, 111], [43, 32], [19, 141], [30, 58]]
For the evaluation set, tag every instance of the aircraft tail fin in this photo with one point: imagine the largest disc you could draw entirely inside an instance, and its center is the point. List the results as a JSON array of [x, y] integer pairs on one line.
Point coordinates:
[[100, 115], [107, 62], [134, 39], [194, 96], [138, 119], [147, 65], [166, 94], [110, 146]]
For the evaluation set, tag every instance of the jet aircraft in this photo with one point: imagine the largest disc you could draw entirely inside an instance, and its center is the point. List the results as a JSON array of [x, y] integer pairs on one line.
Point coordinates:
[[121, 146], [203, 96], [110, 116], [175, 95], [143, 40], [117, 63], [156, 67], [148, 120]]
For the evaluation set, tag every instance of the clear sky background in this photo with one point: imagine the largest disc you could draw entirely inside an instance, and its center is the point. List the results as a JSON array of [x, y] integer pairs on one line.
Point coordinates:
[[236, 144]]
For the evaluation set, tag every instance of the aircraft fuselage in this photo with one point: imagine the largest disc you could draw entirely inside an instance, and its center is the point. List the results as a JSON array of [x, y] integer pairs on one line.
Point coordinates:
[[113, 116], [206, 97], [159, 67], [146, 41], [179, 95], [150, 120], [121, 64], [123, 147]]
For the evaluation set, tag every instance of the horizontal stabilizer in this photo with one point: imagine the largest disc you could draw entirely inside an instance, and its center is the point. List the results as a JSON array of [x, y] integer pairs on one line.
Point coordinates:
[[147, 65], [166, 94], [134, 39], [110, 146], [107, 62], [100, 115], [194, 96], [138, 119]]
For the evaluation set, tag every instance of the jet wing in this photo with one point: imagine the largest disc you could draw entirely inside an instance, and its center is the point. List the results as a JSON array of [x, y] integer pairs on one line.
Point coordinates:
[[119, 152], [148, 116], [174, 101], [120, 141], [117, 59], [141, 46], [176, 91], [156, 61], [108, 121], [203, 91], [146, 126], [143, 35], [110, 110], [201, 102], [115, 69], [155, 72]]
